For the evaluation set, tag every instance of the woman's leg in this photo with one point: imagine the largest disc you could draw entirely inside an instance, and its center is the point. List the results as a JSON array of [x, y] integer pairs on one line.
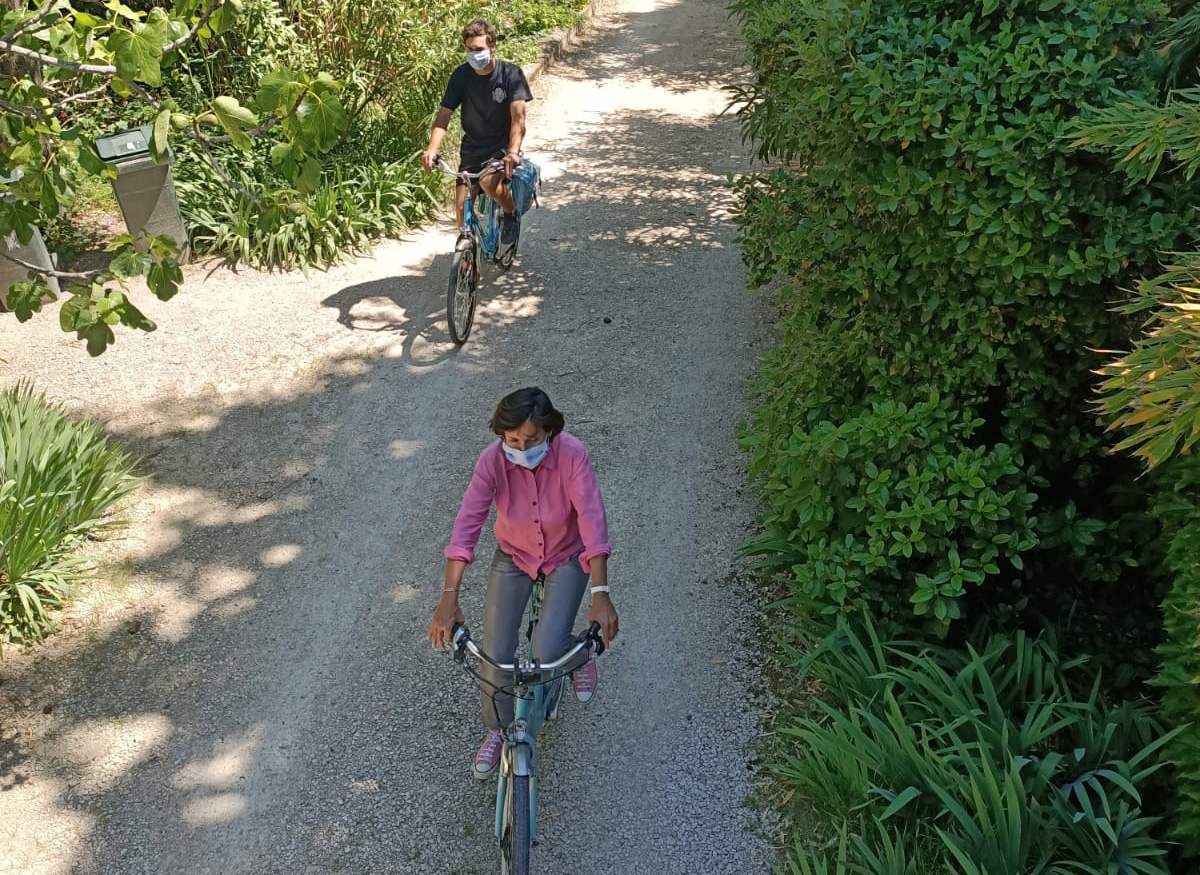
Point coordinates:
[[564, 592], [504, 605]]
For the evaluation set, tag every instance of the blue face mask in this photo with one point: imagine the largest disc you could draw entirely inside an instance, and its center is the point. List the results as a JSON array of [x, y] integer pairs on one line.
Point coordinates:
[[529, 458]]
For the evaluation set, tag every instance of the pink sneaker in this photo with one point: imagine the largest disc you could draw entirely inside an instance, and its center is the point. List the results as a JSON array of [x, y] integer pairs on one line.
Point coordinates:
[[488, 755], [585, 678]]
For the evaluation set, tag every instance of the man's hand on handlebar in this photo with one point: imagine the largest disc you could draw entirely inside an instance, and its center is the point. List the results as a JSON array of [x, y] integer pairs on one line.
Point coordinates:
[[512, 160], [429, 159]]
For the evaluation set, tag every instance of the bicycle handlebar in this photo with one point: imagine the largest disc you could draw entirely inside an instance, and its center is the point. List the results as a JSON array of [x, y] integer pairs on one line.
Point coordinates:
[[492, 166], [463, 644]]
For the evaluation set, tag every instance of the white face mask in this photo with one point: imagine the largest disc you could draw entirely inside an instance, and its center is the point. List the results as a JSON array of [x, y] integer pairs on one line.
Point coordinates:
[[529, 458], [480, 59]]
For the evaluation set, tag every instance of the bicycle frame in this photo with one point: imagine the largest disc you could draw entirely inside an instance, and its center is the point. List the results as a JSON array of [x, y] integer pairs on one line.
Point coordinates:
[[486, 237], [519, 755], [532, 702]]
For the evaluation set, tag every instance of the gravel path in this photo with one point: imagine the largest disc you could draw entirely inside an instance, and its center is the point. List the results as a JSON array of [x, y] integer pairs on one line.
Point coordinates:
[[254, 693]]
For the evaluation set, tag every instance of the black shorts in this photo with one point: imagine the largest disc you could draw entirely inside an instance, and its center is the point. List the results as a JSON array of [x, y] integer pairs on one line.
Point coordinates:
[[473, 162]]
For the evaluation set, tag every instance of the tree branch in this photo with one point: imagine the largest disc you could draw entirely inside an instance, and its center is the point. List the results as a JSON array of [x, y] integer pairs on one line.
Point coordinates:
[[253, 132], [20, 51], [145, 95], [18, 109], [29, 22], [48, 271], [83, 95], [200, 22], [37, 113], [7, 45], [246, 193]]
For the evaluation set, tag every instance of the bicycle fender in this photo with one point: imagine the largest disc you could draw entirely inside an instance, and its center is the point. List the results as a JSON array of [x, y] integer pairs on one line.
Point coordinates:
[[522, 759]]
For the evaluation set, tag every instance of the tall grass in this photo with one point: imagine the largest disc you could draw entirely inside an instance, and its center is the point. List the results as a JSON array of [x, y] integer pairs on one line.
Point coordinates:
[[59, 478]]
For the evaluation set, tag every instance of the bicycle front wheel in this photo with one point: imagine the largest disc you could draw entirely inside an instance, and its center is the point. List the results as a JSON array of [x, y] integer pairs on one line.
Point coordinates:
[[514, 844], [460, 296]]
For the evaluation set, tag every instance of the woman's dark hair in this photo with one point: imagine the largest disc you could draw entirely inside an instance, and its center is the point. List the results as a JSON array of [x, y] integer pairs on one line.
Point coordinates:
[[480, 27], [524, 405]]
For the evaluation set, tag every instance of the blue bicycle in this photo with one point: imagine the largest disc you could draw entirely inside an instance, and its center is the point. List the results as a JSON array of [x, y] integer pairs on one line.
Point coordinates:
[[537, 689], [479, 238]]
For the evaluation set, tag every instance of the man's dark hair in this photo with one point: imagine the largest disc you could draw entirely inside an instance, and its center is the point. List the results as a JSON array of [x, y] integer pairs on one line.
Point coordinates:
[[530, 404], [480, 27]]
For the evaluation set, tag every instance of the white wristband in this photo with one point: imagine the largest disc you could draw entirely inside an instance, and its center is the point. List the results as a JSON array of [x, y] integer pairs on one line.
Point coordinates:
[[596, 589]]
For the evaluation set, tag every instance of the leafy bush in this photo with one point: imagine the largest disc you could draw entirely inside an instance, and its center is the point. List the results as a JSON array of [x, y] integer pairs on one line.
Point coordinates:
[[944, 248], [58, 479], [893, 506], [982, 762]]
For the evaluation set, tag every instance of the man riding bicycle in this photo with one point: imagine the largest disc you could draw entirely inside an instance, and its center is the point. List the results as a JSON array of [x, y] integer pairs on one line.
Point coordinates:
[[492, 93]]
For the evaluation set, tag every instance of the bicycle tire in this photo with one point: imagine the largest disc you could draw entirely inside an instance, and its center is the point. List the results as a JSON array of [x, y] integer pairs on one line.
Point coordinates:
[[514, 845], [555, 699], [460, 295]]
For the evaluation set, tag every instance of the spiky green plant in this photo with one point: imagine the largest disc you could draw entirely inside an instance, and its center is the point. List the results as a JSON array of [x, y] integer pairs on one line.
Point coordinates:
[[982, 762], [59, 479]]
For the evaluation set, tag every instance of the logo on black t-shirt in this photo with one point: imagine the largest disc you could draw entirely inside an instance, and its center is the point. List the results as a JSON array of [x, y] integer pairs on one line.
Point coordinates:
[[498, 95]]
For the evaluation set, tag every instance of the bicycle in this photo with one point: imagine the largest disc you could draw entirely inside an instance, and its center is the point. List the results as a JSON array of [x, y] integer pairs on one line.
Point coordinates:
[[537, 690], [478, 238]]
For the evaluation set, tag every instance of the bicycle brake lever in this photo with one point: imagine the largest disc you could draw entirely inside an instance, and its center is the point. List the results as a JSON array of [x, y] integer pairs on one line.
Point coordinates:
[[458, 641], [593, 633]]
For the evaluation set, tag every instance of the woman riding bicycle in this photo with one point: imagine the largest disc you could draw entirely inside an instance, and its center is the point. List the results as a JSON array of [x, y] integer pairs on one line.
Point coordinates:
[[550, 523]]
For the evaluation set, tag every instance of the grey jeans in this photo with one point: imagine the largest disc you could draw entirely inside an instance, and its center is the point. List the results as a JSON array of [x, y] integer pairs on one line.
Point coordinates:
[[508, 589]]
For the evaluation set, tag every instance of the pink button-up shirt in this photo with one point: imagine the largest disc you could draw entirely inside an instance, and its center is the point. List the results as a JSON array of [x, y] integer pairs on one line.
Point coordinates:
[[544, 517]]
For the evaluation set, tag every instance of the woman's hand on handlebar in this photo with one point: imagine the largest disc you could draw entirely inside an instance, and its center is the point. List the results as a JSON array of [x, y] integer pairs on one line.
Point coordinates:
[[445, 615], [429, 159], [605, 613]]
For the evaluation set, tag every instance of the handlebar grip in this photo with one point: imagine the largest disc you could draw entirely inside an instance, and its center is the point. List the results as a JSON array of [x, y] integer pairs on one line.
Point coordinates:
[[459, 635], [593, 634]]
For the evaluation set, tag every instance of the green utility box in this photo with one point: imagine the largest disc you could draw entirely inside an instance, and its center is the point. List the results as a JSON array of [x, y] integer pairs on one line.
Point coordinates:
[[34, 252], [143, 187]]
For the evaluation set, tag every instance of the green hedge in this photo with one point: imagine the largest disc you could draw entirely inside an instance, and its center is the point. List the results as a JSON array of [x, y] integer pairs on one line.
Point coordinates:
[[922, 433], [1179, 678], [926, 760]]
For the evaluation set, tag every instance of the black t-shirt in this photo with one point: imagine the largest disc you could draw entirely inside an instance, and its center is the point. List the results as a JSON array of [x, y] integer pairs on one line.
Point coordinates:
[[486, 116]]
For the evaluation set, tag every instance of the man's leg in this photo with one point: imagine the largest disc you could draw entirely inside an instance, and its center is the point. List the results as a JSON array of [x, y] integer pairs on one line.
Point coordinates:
[[460, 198], [498, 189], [501, 192]]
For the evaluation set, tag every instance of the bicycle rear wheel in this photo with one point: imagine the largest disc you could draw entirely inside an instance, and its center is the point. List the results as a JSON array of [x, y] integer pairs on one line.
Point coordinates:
[[514, 844], [460, 295]]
